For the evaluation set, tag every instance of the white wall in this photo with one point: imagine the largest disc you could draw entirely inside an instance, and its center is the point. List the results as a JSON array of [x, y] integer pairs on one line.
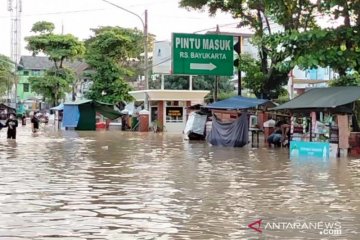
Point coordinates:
[[313, 74], [250, 49]]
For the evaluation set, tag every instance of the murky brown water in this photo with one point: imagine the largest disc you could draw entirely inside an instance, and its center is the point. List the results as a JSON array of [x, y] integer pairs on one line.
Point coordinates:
[[116, 185]]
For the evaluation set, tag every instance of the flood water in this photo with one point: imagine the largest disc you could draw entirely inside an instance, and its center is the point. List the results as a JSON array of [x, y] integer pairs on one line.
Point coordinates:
[[116, 185]]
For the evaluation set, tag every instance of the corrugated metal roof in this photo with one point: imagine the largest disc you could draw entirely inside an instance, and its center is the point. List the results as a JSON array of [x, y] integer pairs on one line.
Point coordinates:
[[44, 63], [36, 62], [320, 98]]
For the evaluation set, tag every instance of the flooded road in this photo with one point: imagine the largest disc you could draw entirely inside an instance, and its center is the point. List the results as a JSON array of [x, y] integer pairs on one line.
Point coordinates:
[[116, 185]]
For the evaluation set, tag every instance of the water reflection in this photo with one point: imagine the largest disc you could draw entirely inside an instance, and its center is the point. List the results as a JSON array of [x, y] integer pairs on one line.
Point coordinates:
[[115, 185]]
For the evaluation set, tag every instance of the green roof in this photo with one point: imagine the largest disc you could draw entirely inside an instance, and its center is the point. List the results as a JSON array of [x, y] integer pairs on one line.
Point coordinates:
[[105, 109], [331, 99], [78, 102]]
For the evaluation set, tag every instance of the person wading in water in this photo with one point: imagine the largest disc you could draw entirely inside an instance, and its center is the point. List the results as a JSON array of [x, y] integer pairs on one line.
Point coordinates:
[[35, 123], [11, 124]]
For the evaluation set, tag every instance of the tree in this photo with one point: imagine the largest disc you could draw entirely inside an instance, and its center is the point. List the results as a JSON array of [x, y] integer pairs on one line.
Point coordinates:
[[225, 88], [43, 27], [108, 53], [176, 82], [352, 79], [54, 84], [59, 48], [289, 14], [132, 62], [337, 47], [6, 74], [254, 77]]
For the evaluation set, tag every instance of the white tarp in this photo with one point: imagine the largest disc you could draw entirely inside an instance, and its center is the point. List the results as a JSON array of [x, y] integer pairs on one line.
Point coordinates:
[[195, 124]]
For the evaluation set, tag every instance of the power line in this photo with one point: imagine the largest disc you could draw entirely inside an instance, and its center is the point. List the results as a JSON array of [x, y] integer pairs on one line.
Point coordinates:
[[152, 4], [223, 25], [183, 16], [59, 13]]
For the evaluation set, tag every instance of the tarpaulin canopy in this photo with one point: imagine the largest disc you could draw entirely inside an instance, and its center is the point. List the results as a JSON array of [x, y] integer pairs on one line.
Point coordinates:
[[82, 113], [78, 102], [107, 110], [104, 109], [229, 134], [72, 116], [239, 102], [60, 107], [331, 99]]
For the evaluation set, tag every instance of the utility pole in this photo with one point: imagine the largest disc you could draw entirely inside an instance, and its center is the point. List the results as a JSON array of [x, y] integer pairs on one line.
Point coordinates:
[[216, 87], [146, 63], [145, 28], [15, 10], [239, 71]]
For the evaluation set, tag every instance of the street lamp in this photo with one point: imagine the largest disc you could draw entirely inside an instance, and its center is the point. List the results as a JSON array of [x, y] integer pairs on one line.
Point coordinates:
[[145, 27]]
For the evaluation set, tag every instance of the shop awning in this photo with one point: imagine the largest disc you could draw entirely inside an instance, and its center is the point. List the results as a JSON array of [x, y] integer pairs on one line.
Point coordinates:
[[170, 95], [239, 102], [323, 98]]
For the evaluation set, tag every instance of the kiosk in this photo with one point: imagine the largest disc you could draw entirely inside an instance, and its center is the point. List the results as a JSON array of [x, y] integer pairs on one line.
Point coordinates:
[[168, 108], [321, 122]]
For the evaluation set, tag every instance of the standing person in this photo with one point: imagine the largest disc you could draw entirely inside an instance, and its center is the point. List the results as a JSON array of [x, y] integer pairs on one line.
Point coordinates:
[[35, 123], [11, 124], [23, 120]]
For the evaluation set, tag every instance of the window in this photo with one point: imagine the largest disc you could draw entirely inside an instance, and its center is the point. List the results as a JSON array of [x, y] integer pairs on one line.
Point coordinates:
[[36, 72], [174, 114], [26, 73], [175, 103], [26, 87]]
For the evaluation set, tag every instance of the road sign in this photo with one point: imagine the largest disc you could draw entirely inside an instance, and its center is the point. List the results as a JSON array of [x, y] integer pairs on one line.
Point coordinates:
[[197, 54]]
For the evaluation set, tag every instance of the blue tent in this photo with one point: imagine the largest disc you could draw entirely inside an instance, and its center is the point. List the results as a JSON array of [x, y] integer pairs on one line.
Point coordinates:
[[81, 114], [239, 102]]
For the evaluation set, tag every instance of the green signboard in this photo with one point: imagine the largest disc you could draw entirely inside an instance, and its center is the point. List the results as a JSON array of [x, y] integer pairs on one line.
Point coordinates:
[[196, 54]]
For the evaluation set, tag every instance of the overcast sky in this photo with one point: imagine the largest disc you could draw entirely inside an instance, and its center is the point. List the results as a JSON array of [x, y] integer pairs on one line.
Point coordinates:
[[78, 16]]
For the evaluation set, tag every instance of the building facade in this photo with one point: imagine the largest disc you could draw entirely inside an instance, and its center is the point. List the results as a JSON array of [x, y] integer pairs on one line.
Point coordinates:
[[302, 79], [30, 66], [35, 66]]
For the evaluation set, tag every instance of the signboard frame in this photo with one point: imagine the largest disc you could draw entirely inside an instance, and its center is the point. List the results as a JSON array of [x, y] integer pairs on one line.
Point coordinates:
[[309, 150], [202, 54]]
